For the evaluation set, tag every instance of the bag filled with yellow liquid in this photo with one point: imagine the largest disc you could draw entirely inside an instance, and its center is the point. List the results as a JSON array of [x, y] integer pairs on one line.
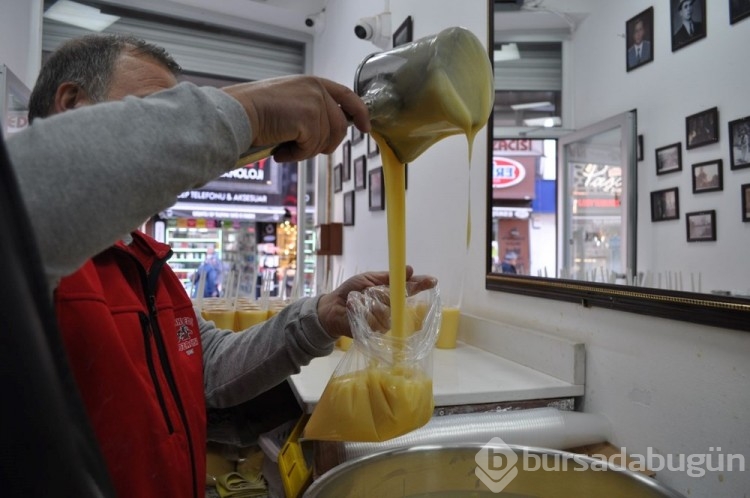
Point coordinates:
[[382, 388]]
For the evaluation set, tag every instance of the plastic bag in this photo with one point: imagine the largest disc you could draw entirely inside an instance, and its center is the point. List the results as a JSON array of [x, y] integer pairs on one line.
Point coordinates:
[[382, 388]]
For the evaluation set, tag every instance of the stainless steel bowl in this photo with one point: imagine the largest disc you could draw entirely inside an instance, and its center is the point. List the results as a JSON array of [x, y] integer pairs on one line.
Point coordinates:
[[444, 471]]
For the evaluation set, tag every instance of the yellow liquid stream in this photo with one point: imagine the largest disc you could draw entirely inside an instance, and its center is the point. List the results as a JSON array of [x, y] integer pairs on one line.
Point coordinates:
[[381, 402]]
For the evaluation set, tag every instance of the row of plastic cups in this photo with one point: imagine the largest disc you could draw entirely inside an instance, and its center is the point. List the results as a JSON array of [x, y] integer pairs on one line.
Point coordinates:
[[447, 333], [244, 315]]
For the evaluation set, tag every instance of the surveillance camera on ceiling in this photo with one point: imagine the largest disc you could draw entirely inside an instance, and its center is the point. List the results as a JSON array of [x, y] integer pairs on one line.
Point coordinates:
[[376, 29], [316, 21]]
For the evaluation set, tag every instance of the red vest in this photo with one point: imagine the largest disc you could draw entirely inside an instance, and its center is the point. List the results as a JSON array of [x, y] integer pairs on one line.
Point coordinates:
[[133, 341]]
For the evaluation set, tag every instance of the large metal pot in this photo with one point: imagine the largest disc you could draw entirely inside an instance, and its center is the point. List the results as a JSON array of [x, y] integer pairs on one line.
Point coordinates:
[[443, 471]]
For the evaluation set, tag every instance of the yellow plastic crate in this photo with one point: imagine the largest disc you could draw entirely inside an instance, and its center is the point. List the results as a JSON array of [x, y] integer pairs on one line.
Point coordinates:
[[296, 474]]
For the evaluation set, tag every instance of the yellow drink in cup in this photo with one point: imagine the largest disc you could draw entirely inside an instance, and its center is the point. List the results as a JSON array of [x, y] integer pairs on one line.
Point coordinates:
[[448, 327], [249, 315]]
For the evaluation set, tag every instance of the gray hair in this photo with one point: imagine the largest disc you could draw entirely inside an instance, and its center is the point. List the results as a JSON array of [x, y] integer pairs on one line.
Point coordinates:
[[89, 62]]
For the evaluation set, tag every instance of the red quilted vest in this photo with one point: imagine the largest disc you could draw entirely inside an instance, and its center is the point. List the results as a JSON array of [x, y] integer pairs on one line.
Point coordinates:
[[133, 341]]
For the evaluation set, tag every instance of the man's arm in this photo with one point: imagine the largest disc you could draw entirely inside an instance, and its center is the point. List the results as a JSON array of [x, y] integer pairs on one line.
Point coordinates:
[[92, 175]]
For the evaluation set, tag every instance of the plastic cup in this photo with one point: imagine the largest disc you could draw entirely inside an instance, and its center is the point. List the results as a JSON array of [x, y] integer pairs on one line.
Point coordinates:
[[220, 313], [249, 315], [448, 332]]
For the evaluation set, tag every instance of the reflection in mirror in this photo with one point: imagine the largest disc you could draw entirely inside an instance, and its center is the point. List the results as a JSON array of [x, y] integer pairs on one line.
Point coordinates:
[[561, 204]]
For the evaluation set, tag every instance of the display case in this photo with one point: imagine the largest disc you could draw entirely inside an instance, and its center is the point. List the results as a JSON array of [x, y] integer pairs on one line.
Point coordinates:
[[190, 246]]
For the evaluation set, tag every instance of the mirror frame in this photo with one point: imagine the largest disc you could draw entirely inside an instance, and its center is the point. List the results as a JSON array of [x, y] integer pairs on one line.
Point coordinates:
[[706, 309]]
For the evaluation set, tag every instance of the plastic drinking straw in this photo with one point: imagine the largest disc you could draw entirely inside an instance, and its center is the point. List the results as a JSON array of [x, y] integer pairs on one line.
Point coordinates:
[[237, 290]]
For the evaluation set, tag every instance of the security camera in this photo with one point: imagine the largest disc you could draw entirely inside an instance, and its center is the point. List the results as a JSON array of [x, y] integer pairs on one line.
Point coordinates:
[[310, 22], [316, 21], [366, 27], [376, 29]]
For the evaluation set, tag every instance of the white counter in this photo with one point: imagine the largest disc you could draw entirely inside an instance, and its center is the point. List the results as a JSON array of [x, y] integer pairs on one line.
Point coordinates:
[[465, 375]]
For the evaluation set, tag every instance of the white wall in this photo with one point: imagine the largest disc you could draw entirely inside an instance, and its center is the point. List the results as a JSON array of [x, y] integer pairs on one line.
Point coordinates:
[[669, 385], [21, 38]]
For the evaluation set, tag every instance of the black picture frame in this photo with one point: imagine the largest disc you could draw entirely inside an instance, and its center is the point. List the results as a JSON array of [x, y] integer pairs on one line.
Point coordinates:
[[708, 176], [696, 9], [349, 208], [702, 128], [639, 27], [404, 33], [665, 204], [377, 191], [346, 161], [337, 179], [745, 192], [738, 10], [669, 158], [357, 135], [372, 147], [360, 173], [701, 226], [639, 148], [739, 143]]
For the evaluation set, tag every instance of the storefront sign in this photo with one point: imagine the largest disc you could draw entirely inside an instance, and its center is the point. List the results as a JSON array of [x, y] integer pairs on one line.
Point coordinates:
[[506, 172]]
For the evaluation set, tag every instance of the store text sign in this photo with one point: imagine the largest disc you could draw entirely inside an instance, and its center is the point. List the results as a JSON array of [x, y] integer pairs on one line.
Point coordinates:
[[254, 173], [506, 172]]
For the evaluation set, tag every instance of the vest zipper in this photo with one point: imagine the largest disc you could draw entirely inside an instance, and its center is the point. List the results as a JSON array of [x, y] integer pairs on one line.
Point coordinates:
[[150, 282], [146, 328]]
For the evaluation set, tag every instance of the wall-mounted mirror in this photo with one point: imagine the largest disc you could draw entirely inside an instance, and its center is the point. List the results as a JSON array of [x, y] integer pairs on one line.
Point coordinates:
[[563, 203]]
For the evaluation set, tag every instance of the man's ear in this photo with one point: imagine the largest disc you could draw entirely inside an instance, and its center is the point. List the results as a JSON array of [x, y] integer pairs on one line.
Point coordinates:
[[69, 96]]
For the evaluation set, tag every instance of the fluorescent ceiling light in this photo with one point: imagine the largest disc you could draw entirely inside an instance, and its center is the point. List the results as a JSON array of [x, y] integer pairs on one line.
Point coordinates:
[[548, 122], [530, 105], [507, 52], [80, 15]]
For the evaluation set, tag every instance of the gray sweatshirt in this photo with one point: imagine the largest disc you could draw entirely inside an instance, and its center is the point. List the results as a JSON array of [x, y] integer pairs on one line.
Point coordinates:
[[89, 176]]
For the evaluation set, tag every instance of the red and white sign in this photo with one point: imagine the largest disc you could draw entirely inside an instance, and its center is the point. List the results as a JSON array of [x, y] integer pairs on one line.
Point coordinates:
[[506, 172]]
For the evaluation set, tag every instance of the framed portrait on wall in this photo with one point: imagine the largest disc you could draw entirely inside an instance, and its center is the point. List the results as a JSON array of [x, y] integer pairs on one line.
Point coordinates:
[[357, 135], [372, 146], [707, 176], [738, 10], [665, 205], [702, 128], [639, 148], [639, 39], [701, 226], [669, 158], [377, 192], [346, 161], [349, 208], [688, 22], [739, 143], [337, 180], [745, 190], [360, 172], [404, 33]]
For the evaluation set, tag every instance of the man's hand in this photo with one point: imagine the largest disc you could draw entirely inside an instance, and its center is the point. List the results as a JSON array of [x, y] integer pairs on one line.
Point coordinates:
[[303, 115], [332, 307]]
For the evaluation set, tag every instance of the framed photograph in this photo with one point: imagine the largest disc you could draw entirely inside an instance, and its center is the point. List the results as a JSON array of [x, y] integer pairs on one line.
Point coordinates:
[[346, 172], [739, 143], [372, 146], [357, 135], [701, 226], [360, 171], [403, 33], [707, 176], [665, 205], [688, 22], [639, 39], [349, 209], [745, 189], [639, 148], [738, 10], [669, 158], [337, 180], [377, 192], [702, 128]]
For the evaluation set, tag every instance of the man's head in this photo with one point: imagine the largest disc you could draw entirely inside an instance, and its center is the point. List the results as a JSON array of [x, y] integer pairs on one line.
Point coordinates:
[[639, 30], [685, 7], [97, 68]]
